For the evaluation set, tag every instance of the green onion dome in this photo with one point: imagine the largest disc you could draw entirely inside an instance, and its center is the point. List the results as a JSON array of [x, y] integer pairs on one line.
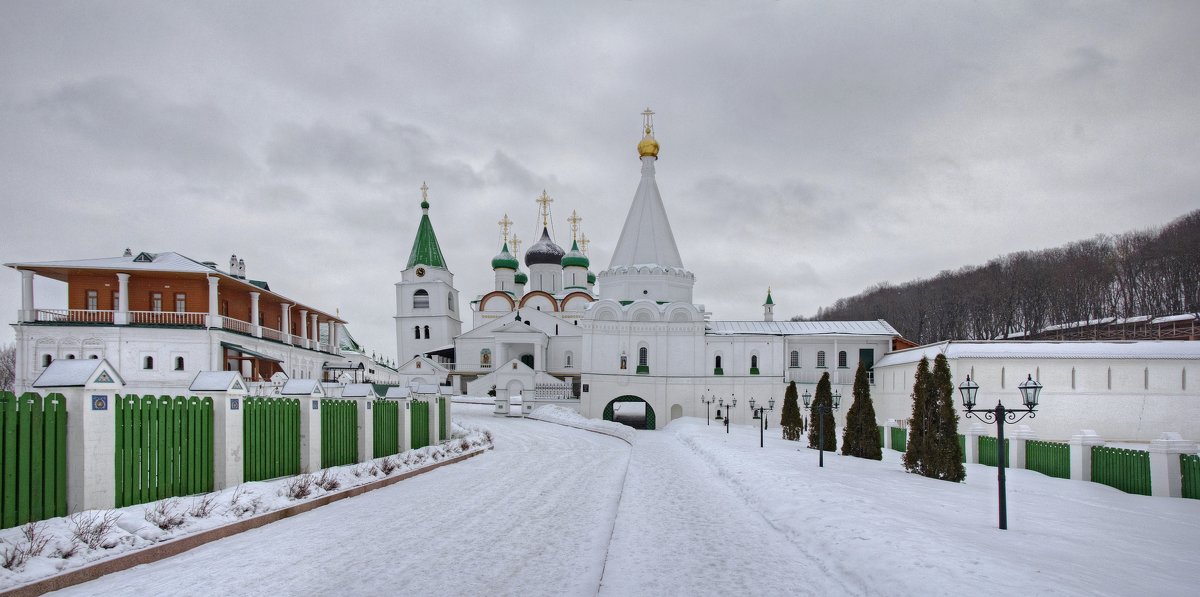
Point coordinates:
[[575, 258], [505, 260], [521, 278], [591, 278]]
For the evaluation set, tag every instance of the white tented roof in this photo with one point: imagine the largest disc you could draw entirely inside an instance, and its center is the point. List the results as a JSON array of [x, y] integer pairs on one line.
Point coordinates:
[[66, 373], [358, 390], [396, 392], [1033, 349], [300, 387], [215, 381], [427, 388], [646, 237], [878, 327]]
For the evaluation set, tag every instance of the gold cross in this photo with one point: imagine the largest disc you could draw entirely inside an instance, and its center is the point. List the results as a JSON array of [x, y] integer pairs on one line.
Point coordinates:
[[545, 202], [574, 220], [424, 191], [648, 121], [583, 243], [516, 245], [505, 224]]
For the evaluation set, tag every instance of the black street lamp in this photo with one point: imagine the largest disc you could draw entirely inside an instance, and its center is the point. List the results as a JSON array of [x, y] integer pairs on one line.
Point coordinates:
[[1030, 389], [708, 408], [759, 413], [820, 411], [728, 410]]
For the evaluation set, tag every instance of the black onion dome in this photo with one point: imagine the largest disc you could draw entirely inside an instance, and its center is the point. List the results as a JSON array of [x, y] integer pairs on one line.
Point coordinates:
[[544, 251]]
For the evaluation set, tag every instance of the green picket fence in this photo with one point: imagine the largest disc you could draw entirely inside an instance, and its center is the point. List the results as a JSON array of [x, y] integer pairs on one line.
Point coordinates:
[[271, 438], [33, 458], [899, 438], [1127, 470], [164, 447], [882, 441], [962, 446], [386, 425], [339, 432], [1190, 465], [443, 418], [987, 452], [420, 424], [1052, 459]]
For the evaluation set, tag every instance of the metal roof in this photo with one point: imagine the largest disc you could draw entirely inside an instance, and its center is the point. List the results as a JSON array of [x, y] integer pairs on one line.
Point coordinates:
[[878, 327], [1033, 349]]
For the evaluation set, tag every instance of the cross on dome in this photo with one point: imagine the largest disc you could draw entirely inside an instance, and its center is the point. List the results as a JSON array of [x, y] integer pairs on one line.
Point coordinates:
[[544, 201], [574, 220], [505, 224], [424, 195], [516, 245], [583, 243]]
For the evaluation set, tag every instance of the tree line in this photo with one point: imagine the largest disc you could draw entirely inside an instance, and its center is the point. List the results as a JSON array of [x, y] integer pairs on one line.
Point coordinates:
[[1143, 273]]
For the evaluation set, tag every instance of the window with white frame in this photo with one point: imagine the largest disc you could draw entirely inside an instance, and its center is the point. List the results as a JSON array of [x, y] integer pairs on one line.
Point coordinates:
[[794, 359], [821, 359]]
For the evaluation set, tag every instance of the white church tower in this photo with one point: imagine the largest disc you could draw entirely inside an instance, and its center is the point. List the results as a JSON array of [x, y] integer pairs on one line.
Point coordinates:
[[769, 307], [426, 301], [646, 262]]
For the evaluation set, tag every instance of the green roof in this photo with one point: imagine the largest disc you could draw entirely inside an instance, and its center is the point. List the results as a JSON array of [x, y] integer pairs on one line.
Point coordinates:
[[769, 301], [520, 278], [591, 278], [425, 250], [575, 257], [505, 260]]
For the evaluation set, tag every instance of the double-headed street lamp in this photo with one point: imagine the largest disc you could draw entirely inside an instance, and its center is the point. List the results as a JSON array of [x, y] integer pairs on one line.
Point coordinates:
[[999, 415], [760, 413], [728, 410], [820, 410], [707, 408]]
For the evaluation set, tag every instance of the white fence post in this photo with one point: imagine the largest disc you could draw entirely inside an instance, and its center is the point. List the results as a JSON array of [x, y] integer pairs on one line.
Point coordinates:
[[1081, 453], [434, 422], [366, 429], [1166, 476], [1017, 439], [405, 414], [310, 434], [887, 433], [971, 443], [228, 452]]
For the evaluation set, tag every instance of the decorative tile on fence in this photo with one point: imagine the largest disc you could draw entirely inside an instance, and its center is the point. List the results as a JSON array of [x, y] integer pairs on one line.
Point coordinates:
[[271, 438], [33, 463], [386, 428], [1127, 470], [339, 432], [164, 447], [1049, 458], [420, 424]]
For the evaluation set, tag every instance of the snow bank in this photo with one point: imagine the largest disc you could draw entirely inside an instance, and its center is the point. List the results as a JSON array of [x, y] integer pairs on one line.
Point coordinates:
[[39, 550], [473, 400], [552, 413]]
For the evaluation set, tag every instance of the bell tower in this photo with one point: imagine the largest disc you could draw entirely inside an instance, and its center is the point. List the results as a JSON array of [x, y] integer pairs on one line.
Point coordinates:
[[426, 300]]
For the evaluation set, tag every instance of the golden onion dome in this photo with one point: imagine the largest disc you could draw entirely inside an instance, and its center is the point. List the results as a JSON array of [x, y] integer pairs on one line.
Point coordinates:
[[648, 146]]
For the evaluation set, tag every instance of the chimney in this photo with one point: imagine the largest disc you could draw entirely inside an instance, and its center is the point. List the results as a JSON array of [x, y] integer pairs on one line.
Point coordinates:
[[128, 252], [242, 268], [233, 265]]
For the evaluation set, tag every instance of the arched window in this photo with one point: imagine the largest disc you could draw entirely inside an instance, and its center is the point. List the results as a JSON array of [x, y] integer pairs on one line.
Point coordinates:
[[46, 360], [821, 358], [417, 332], [148, 363], [421, 299], [754, 361], [450, 301], [70, 357], [569, 357], [842, 359], [94, 357], [623, 362], [643, 357], [794, 359], [717, 362], [485, 358], [179, 363], [426, 332]]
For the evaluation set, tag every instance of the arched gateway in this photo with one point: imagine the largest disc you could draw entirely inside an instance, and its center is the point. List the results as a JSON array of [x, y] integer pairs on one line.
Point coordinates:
[[612, 412]]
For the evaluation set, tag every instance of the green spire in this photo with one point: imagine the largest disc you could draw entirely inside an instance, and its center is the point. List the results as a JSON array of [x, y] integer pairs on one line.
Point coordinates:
[[769, 301], [425, 249]]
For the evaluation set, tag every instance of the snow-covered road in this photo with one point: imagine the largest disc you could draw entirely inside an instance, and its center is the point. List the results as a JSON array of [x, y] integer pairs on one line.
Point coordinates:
[[532, 517]]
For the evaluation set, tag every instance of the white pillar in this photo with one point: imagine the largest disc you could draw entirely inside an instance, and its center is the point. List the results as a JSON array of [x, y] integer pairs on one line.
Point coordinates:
[[1166, 476], [304, 327], [91, 448], [121, 317], [366, 429], [28, 311], [405, 414], [434, 424], [214, 321], [887, 433], [1016, 442], [333, 338], [285, 321], [315, 337], [227, 439], [1081, 453], [310, 434], [971, 443], [254, 327]]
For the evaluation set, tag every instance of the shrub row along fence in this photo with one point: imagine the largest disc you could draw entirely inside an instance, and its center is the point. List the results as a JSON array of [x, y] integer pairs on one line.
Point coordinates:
[[420, 424], [339, 432], [385, 421], [164, 447], [987, 452], [270, 438], [1190, 467], [1127, 470], [33, 463], [1049, 458]]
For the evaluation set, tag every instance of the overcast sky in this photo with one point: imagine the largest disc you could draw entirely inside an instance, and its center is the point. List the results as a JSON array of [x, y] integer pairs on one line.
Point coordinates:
[[818, 148]]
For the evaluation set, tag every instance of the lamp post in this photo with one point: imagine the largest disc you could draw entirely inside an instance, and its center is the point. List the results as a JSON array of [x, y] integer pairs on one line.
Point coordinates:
[[708, 408], [1030, 390], [820, 410], [728, 410], [760, 413]]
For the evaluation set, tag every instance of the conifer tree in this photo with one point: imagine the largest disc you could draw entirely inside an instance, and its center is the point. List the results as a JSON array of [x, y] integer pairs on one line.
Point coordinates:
[[914, 457], [861, 436], [790, 418], [823, 397], [947, 455]]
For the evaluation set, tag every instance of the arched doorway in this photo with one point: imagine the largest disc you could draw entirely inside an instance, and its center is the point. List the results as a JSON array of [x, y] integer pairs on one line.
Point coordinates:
[[676, 411], [630, 410]]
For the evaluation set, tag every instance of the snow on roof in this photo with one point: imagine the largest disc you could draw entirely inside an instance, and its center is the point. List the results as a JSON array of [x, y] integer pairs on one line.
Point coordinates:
[[161, 262], [646, 236], [358, 390], [1032, 349], [214, 381], [878, 327], [427, 388], [65, 373], [396, 392], [300, 387]]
